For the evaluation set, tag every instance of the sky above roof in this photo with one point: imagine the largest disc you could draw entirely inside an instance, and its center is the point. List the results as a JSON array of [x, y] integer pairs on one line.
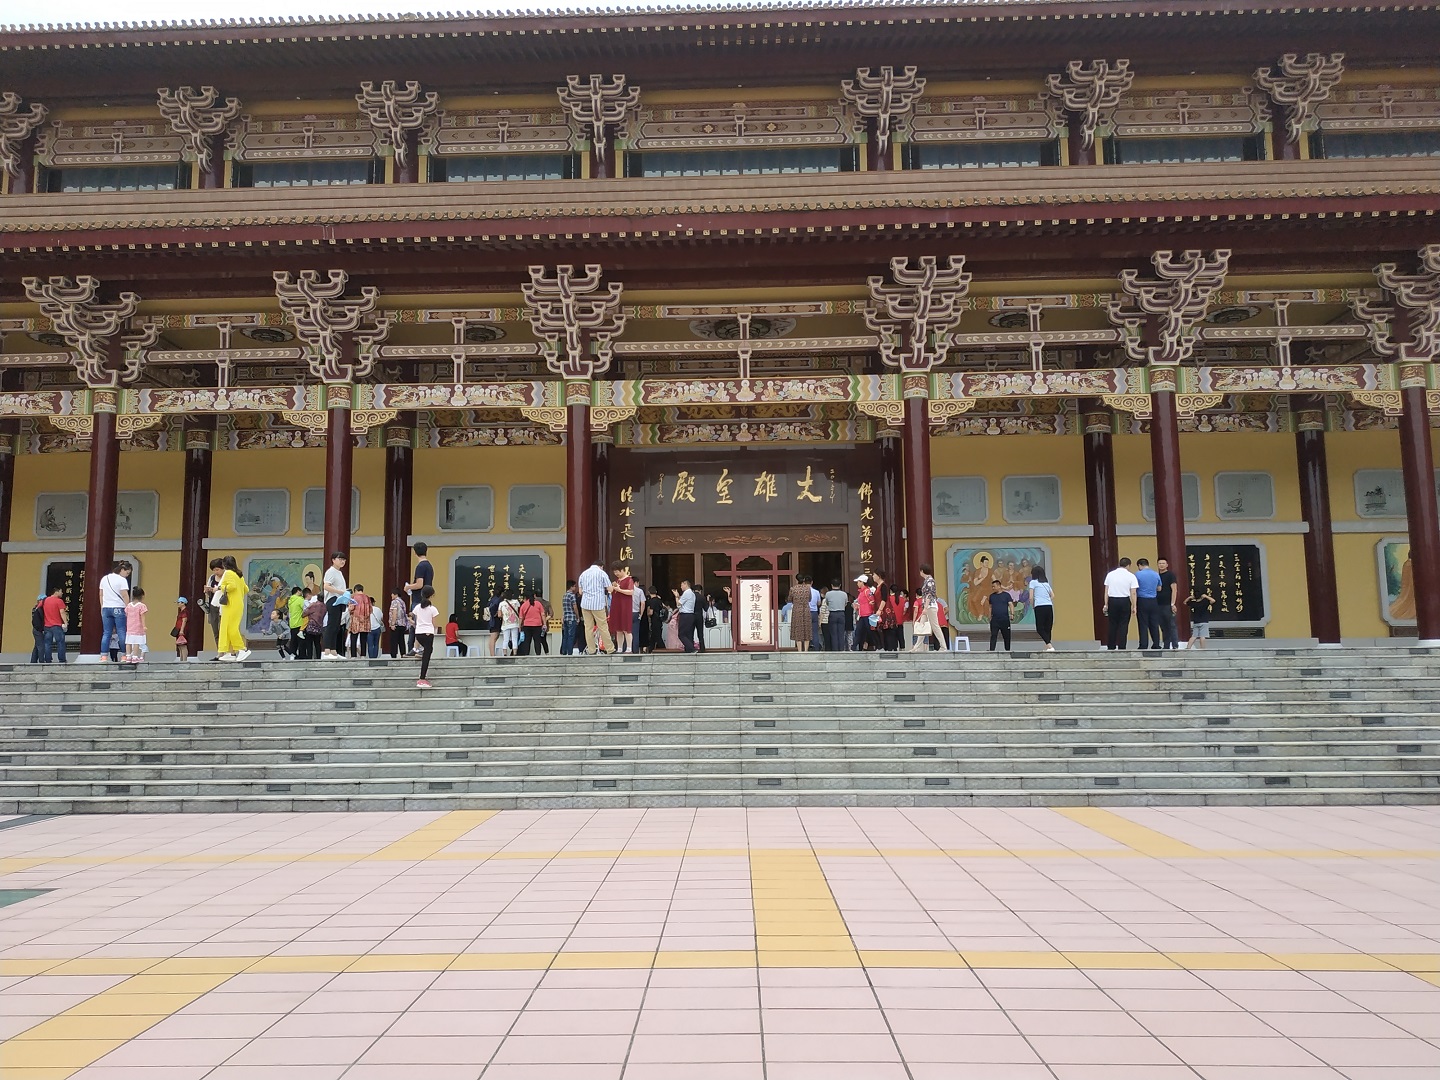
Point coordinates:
[[73, 12]]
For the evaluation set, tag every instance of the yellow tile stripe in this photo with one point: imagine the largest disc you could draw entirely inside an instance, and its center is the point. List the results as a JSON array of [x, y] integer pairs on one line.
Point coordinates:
[[429, 840], [796, 917], [79, 1036], [1136, 837]]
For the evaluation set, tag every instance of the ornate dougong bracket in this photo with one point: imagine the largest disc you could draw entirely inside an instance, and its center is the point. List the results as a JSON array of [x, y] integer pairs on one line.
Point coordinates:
[[886, 98], [578, 309], [1299, 85], [195, 115], [596, 103], [1160, 327], [1405, 326], [17, 124], [109, 347], [392, 112], [327, 322], [917, 315], [1090, 90]]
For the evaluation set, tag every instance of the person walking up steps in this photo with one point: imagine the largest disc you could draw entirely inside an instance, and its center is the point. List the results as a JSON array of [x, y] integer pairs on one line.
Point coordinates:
[[1120, 586], [426, 616], [1042, 602]]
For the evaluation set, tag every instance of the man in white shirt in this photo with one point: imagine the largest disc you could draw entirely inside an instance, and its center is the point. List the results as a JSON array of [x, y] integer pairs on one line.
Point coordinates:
[[594, 588], [1120, 586], [685, 616]]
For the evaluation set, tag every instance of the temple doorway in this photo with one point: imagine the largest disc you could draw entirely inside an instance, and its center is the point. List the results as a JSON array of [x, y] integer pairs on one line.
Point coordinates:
[[719, 564]]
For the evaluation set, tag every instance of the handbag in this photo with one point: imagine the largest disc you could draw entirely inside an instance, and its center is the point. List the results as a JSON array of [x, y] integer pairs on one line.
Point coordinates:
[[710, 622], [221, 597], [175, 631]]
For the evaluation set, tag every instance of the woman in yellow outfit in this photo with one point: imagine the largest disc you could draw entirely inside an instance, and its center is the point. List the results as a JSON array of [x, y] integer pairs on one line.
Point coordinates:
[[232, 643]]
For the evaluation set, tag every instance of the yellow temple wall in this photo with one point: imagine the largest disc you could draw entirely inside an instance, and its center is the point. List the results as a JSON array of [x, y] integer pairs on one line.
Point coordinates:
[[994, 459], [159, 570], [500, 467], [1206, 455]]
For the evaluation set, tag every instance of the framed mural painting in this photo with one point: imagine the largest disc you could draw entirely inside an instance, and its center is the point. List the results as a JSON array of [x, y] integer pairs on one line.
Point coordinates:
[[270, 578], [958, 500], [1397, 581], [312, 511], [973, 567], [1189, 495], [537, 506], [61, 514], [465, 509]]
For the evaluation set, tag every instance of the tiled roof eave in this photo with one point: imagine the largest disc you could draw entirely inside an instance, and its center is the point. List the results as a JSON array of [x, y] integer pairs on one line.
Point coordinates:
[[708, 207], [661, 17]]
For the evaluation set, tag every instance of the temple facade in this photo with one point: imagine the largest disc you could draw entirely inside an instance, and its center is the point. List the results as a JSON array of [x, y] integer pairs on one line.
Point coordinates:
[[732, 296]]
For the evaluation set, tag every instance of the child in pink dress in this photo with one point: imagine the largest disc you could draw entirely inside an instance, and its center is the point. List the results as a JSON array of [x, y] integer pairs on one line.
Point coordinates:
[[135, 627]]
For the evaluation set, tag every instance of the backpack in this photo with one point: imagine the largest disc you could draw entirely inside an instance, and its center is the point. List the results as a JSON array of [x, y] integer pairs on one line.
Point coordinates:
[[37, 618]]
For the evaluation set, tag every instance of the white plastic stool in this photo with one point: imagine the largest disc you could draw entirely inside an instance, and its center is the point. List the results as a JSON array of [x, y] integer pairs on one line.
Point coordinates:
[[452, 650], [956, 639]]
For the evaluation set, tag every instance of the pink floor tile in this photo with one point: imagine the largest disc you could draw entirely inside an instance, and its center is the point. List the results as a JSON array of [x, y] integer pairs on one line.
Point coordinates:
[[1234, 1050], [318, 1051], [831, 1047], [698, 1022], [834, 1070], [1396, 1053], [562, 1050], [173, 1052], [966, 1049], [693, 1049], [431, 1050], [734, 1070]]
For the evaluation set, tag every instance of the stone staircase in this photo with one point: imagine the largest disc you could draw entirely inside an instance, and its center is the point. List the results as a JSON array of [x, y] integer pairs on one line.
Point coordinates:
[[759, 729]]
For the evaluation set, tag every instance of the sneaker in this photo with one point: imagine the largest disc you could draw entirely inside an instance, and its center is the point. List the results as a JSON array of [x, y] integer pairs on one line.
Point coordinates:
[[331, 656], [422, 684], [243, 654], [227, 658]]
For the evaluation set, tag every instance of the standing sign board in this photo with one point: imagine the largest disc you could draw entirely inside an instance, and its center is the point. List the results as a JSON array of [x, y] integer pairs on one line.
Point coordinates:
[[754, 620]]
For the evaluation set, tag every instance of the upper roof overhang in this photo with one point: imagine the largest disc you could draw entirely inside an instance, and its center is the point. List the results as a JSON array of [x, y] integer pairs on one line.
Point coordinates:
[[670, 45]]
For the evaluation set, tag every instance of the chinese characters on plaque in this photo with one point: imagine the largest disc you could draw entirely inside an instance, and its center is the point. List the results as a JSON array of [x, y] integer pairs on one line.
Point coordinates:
[[756, 616], [477, 576], [1234, 575], [866, 491]]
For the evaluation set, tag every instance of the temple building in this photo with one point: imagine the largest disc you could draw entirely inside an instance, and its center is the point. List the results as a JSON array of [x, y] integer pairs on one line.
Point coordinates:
[[732, 295]]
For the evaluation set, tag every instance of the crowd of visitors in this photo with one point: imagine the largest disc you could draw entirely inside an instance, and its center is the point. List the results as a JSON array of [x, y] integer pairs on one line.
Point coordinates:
[[605, 611]]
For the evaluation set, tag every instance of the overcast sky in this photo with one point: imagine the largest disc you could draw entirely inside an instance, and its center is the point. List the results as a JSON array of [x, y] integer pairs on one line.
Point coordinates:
[[26, 12]]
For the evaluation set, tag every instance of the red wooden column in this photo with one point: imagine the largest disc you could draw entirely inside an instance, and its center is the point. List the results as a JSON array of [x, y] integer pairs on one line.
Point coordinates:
[[1169, 494], [399, 502], [9, 433], [195, 521], [1319, 543], [580, 538], [919, 527], [884, 543], [1420, 507], [339, 469], [100, 516], [1099, 449]]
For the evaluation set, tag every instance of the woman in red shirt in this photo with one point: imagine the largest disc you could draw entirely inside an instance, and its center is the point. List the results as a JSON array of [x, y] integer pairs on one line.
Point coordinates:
[[532, 625], [864, 608]]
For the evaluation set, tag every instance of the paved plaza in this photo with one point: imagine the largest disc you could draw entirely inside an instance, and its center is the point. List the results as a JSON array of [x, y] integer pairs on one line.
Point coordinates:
[[1236, 943]]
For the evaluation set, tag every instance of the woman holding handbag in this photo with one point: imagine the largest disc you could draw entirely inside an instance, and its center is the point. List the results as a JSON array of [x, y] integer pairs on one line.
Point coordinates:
[[230, 596]]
